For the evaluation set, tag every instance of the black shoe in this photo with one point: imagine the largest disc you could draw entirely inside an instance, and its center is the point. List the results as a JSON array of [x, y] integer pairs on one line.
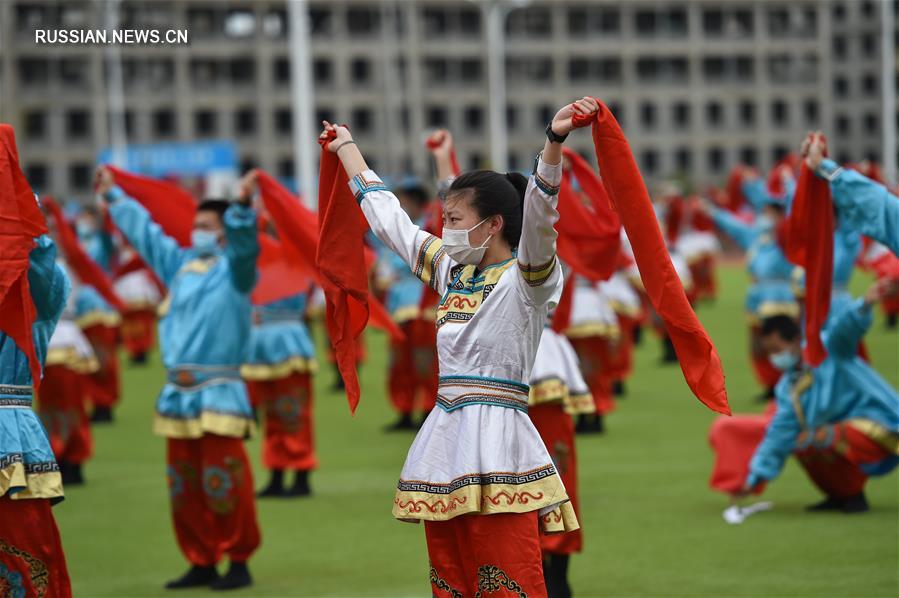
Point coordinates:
[[618, 389], [101, 415], [831, 503], [638, 335], [238, 576], [892, 321], [275, 485], [856, 504], [669, 355], [300, 485], [404, 423], [71, 474], [598, 425], [581, 425], [555, 572], [139, 359], [195, 577]]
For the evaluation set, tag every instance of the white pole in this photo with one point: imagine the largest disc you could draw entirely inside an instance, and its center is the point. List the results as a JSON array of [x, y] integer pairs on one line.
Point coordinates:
[[887, 84], [115, 89], [496, 78], [305, 146]]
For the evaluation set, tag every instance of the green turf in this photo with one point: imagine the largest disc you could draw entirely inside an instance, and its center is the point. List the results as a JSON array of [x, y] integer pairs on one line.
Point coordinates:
[[652, 526]]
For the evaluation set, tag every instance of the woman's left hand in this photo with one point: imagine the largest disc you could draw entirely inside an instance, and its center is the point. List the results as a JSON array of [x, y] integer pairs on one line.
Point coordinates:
[[561, 124]]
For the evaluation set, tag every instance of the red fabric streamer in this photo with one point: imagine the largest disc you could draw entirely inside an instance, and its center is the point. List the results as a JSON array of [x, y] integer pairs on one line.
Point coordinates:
[[673, 219], [433, 144], [806, 236], [85, 268], [698, 357], [20, 222], [170, 206], [341, 262], [734, 190]]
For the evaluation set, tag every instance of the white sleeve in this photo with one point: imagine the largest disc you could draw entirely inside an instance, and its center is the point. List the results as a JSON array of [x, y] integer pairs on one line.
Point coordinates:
[[421, 250], [541, 278]]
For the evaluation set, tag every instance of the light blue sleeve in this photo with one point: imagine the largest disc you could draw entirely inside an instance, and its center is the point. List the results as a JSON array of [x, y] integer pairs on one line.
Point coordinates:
[[743, 234], [48, 282], [755, 192], [161, 252], [846, 328], [779, 441], [865, 205], [242, 248]]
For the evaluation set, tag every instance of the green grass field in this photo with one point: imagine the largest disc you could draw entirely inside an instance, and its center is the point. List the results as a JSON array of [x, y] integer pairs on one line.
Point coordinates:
[[652, 525]]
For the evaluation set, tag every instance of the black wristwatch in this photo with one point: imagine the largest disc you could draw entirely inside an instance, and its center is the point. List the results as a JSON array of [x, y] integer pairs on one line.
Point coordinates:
[[551, 135]]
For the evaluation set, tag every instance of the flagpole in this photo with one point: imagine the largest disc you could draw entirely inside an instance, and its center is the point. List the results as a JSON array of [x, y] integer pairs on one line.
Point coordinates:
[[887, 85], [301, 94], [496, 81], [115, 90]]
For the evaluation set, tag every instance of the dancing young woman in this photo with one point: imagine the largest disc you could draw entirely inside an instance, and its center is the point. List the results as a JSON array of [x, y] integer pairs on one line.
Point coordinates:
[[478, 473]]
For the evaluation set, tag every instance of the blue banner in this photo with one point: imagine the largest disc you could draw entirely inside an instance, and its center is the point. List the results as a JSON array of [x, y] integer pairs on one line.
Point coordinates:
[[180, 159]]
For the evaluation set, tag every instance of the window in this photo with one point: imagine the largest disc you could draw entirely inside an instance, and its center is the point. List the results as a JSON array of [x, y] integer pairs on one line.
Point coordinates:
[[285, 168], [869, 84], [362, 120], [204, 72], [164, 123], [839, 47], [584, 21], [747, 113], [437, 116], [715, 159], [205, 123], [652, 69], [872, 123], [243, 71], [240, 24], [511, 116], [436, 21], [36, 175], [475, 161], [474, 118], [713, 22], [841, 87], [650, 161], [35, 124], [247, 162], [34, 71], [680, 115], [683, 159], [529, 70], [843, 124], [648, 115], [714, 114], [470, 70], [245, 121], [512, 163], [749, 155], [320, 21], [780, 112], [78, 124], [645, 22], [281, 71], [778, 152], [362, 21], [80, 176], [283, 121], [811, 112], [325, 114], [360, 70], [545, 114], [73, 72], [529, 22]]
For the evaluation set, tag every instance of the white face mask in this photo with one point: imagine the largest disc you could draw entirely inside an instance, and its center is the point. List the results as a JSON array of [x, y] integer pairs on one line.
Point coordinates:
[[458, 247], [785, 360]]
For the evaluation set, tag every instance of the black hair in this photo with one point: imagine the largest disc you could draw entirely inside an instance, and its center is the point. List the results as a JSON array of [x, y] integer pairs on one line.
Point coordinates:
[[219, 206], [777, 206], [785, 327], [495, 194], [417, 193]]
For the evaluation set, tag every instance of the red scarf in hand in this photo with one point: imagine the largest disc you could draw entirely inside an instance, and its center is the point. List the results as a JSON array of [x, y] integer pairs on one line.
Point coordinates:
[[454, 161], [20, 222], [698, 357], [734, 190], [170, 206], [341, 262], [85, 268], [806, 236]]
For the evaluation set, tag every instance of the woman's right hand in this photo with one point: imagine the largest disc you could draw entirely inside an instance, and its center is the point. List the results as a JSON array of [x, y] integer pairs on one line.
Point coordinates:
[[440, 143], [342, 135]]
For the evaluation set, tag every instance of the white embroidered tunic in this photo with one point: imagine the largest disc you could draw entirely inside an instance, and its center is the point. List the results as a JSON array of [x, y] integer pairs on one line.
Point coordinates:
[[478, 452]]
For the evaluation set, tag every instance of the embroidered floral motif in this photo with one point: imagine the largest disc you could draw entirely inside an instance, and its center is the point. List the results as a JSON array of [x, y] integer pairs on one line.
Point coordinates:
[[440, 584], [415, 506], [216, 482], [176, 482], [518, 497], [493, 579], [37, 573]]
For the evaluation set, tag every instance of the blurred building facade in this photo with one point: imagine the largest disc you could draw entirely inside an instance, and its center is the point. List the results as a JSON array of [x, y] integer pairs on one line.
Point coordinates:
[[698, 86]]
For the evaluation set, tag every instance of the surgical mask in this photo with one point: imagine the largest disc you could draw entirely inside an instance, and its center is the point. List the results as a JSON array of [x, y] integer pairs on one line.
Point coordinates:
[[784, 360], [204, 242], [765, 223], [84, 229], [458, 247]]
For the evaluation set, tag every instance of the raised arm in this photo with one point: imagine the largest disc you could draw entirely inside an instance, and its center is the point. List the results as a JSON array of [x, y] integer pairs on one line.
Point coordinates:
[[48, 282], [242, 247], [864, 204], [743, 234], [161, 252], [848, 326], [422, 251]]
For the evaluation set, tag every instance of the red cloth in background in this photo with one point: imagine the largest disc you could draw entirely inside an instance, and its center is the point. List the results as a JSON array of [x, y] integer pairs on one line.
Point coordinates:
[[288, 440], [697, 355], [106, 384], [85, 268], [20, 222], [170, 206], [62, 405]]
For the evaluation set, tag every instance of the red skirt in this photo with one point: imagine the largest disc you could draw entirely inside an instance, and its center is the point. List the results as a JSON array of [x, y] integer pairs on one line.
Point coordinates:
[[556, 428], [486, 555], [138, 330], [106, 387], [32, 562], [61, 406]]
